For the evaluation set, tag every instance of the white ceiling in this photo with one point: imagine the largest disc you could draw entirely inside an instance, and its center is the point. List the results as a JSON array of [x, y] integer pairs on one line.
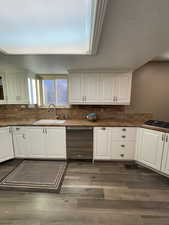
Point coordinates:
[[133, 33], [46, 27]]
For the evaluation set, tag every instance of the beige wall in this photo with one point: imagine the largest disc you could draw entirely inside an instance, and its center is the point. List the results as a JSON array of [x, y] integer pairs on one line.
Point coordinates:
[[150, 90]]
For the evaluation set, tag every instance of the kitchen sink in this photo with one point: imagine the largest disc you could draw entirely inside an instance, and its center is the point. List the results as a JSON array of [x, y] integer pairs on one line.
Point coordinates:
[[44, 122]]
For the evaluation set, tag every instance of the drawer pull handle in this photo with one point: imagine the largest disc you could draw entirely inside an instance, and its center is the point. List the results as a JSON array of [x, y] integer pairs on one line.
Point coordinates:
[[123, 136], [122, 155], [124, 129], [103, 128], [17, 128], [122, 146]]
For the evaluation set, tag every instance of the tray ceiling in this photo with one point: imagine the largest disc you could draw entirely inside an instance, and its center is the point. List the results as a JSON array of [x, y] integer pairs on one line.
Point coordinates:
[[47, 27]]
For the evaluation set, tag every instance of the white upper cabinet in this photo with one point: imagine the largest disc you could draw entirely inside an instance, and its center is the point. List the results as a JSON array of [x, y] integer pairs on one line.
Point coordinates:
[[123, 89], [107, 89], [100, 88], [76, 89], [91, 89], [2, 89], [17, 88]]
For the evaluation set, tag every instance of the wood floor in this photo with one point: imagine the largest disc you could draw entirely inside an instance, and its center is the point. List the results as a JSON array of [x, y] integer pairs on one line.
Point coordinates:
[[99, 194]]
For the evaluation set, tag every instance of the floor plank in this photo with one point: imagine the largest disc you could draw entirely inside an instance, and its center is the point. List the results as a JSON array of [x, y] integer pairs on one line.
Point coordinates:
[[92, 194]]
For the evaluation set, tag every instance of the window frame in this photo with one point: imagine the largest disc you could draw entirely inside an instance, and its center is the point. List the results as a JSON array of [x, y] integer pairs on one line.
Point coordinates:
[[39, 85]]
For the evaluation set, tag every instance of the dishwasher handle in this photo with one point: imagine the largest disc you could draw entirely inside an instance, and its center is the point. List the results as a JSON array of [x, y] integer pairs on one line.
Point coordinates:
[[79, 128]]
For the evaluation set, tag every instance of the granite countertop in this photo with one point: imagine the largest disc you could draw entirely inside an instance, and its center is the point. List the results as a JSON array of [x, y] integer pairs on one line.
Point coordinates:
[[99, 123]]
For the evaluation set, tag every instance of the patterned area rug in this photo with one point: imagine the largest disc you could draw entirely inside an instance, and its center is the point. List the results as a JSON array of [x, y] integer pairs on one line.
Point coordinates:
[[35, 175]]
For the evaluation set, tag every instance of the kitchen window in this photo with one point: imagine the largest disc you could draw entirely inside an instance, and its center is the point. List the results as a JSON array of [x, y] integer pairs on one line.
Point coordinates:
[[53, 90]]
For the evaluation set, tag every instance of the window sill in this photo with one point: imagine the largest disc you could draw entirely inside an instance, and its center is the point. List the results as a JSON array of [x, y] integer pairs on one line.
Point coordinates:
[[56, 107]]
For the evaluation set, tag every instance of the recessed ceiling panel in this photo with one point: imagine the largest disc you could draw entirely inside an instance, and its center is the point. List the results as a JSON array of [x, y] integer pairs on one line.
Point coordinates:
[[46, 26]]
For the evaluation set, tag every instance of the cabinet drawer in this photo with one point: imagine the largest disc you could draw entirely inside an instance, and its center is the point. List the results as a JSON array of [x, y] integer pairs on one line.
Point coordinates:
[[102, 129], [124, 133], [123, 149]]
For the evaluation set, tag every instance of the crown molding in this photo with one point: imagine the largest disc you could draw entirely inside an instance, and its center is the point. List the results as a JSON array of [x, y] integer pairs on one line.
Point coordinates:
[[97, 25], [100, 70]]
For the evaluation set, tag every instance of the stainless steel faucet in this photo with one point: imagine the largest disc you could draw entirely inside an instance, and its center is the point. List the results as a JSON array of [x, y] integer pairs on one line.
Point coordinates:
[[51, 108]]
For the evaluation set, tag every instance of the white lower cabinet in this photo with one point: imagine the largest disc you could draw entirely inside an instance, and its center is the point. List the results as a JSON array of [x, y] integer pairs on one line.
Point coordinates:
[[152, 149], [102, 140], [165, 159], [55, 142], [20, 142], [117, 143], [40, 142], [6, 146], [36, 142]]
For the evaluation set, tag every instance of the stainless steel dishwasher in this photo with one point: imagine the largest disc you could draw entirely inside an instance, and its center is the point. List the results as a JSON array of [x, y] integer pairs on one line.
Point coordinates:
[[79, 141]]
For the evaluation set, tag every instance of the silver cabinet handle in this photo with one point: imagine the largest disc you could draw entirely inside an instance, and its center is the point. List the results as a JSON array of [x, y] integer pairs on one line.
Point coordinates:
[[23, 136], [162, 137], [122, 155], [114, 99], [46, 131], [123, 136], [122, 146], [43, 130], [124, 129], [103, 128], [166, 139]]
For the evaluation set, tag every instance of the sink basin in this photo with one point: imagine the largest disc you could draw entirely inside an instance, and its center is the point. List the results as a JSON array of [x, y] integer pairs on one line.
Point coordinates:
[[44, 122]]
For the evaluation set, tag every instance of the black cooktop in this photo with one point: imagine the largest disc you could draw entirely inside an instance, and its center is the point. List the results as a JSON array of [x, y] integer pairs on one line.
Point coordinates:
[[157, 123]]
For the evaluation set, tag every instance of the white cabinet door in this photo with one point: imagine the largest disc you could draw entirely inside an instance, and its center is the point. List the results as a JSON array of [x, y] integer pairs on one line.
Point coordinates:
[[55, 142], [17, 88], [22, 87], [6, 147], [3, 97], [20, 146], [20, 141], [139, 137], [36, 142], [11, 82], [151, 149], [165, 160], [91, 88], [123, 88], [107, 88], [76, 89], [102, 143]]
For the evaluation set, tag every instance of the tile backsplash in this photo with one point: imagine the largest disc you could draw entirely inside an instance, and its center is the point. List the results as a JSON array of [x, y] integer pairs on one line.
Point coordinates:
[[25, 112]]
